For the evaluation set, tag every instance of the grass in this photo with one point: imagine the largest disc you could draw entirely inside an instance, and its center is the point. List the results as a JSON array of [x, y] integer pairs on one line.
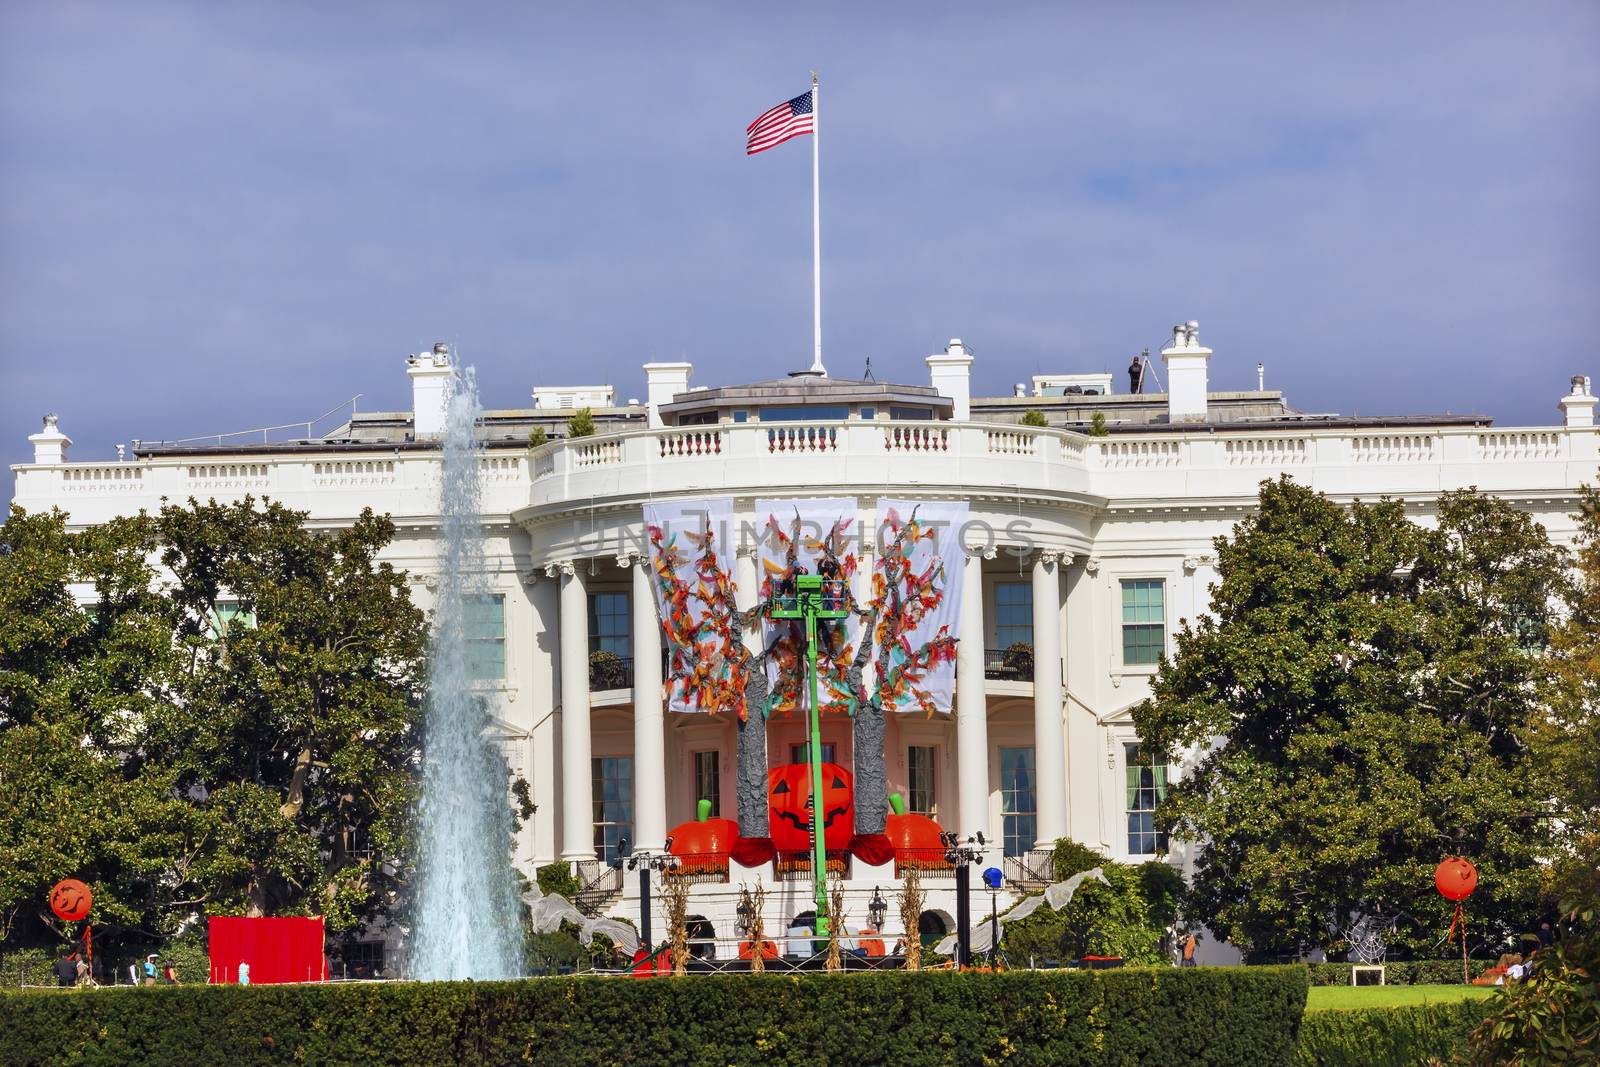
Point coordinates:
[[1346, 998]]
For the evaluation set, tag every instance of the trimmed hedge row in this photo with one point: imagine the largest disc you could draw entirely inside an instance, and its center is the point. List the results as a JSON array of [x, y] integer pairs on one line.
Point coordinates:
[[1388, 1037], [1201, 1015], [1409, 972]]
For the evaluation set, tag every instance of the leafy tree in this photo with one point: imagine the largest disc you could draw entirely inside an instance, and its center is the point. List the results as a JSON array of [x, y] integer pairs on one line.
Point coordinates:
[[179, 763], [1097, 425], [1034, 417], [537, 436], [581, 423], [1356, 700]]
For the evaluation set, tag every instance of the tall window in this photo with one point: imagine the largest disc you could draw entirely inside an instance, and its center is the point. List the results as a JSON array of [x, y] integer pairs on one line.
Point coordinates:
[[919, 780], [800, 753], [708, 781], [1144, 625], [608, 624], [484, 623], [1147, 785], [1013, 612], [613, 805], [1019, 806]]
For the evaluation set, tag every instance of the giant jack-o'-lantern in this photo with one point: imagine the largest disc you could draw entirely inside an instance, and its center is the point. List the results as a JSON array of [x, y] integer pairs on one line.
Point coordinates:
[[70, 899], [914, 837], [788, 789], [705, 843], [1455, 878]]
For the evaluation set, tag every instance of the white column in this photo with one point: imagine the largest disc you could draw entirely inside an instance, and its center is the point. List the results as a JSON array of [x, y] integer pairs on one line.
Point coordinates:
[[972, 711], [577, 786], [1049, 729], [649, 742], [746, 584], [1085, 749]]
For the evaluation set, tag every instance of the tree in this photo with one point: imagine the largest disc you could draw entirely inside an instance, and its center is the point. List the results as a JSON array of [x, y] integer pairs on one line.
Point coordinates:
[[180, 757], [1034, 417], [1097, 425], [581, 423], [1355, 703], [537, 437]]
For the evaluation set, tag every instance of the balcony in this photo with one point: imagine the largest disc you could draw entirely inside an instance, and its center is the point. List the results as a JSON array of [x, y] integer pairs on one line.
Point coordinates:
[[1014, 664]]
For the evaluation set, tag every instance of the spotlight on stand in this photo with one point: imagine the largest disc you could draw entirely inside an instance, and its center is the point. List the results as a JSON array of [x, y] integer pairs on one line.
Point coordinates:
[[993, 878]]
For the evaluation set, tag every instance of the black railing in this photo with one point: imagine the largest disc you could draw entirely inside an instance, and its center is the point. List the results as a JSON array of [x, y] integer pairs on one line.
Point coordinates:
[[996, 668], [607, 670]]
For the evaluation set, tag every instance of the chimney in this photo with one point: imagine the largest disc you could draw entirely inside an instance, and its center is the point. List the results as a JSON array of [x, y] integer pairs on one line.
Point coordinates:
[[1186, 364], [431, 374], [1577, 407], [663, 381], [50, 444], [950, 373]]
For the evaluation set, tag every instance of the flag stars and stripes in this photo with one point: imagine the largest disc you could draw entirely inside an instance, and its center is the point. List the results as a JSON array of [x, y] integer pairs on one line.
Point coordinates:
[[790, 119]]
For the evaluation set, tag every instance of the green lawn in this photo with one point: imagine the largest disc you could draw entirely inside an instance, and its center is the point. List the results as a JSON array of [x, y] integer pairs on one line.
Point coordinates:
[[1337, 997]]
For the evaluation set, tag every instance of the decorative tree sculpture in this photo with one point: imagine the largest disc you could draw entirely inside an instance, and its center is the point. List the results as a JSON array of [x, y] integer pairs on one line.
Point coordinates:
[[911, 917], [676, 892], [833, 962]]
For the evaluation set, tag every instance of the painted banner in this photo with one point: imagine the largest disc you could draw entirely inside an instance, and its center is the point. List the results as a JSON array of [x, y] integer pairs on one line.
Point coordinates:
[[916, 603], [691, 565], [817, 535]]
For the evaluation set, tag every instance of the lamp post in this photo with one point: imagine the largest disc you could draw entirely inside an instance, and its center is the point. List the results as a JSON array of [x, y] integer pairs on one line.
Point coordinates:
[[814, 598], [877, 910]]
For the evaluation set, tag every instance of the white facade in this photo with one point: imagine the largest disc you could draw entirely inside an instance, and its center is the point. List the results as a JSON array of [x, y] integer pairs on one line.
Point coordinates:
[[1092, 548]]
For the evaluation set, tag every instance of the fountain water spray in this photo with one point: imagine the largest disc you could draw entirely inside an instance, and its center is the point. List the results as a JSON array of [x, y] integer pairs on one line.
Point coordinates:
[[467, 917]]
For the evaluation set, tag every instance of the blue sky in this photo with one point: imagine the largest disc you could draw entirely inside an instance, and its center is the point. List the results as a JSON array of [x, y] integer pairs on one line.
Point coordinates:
[[218, 216]]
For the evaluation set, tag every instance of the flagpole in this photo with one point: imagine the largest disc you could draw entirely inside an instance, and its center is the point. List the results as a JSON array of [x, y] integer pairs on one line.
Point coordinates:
[[816, 236]]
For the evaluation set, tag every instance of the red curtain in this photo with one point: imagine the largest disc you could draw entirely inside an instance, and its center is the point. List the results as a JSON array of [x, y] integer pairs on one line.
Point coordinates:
[[286, 949]]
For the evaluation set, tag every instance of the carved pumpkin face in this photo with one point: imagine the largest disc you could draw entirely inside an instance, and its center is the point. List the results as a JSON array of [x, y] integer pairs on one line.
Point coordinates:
[[1455, 878], [915, 837], [703, 844], [70, 900], [788, 790]]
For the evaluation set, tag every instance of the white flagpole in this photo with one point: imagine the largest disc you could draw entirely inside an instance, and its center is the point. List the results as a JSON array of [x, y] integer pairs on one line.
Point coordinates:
[[816, 238]]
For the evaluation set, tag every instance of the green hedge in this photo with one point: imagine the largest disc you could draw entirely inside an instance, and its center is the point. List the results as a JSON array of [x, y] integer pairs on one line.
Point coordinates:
[[1132, 1016], [1388, 1037], [1410, 972]]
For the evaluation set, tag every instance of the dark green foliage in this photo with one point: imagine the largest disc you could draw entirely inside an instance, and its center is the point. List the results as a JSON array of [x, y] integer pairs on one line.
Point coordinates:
[[1097, 425], [557, 879], [1387, 1037], [1372, 680], [1405, 972], [607, 671], [1018, 659], [1128, 919], [1204, 1016], [1034, 417], [537, 437]]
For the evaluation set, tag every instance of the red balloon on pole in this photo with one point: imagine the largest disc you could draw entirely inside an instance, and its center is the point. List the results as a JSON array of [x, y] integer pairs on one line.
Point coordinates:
[[1456, 878], [70, 899]]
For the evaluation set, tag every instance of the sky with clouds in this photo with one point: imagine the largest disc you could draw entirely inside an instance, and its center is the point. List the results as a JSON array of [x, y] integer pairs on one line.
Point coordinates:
[[217, 216]]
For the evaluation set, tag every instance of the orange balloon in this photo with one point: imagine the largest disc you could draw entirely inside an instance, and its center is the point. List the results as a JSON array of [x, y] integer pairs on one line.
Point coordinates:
[[1455, 878], [70, 899]]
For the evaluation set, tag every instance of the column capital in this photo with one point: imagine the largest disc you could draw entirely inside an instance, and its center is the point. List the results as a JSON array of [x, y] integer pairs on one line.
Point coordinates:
[[628, 557], [1050, 556], [1091, 564], [745, 550], [1194, 563], [982, 551], [561, 568]]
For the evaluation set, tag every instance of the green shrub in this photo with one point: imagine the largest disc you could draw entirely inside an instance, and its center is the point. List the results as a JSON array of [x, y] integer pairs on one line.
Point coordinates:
[[1405, 972], [1034, 417], [1097, 425], [1018, 659], [1203, 1016], [557, 879], [1380, 1037], [1128, 918], [581, 423]]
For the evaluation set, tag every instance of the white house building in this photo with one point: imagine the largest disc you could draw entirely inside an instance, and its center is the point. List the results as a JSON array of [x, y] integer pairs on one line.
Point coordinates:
[[1091, 549]]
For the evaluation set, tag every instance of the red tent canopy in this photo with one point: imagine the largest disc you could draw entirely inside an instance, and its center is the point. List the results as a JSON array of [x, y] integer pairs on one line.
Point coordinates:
[[286, 949]]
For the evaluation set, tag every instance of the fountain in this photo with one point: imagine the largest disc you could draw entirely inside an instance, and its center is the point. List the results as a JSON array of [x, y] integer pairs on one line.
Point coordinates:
[[467, 920]]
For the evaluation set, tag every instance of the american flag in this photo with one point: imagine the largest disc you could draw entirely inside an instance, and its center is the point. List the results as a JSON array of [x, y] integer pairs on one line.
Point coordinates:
[[792, 118]]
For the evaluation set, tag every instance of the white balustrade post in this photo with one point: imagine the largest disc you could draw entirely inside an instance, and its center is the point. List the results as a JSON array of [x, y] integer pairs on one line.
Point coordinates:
[[649, 742], [972, 710], [577, 785], [1049, 729]]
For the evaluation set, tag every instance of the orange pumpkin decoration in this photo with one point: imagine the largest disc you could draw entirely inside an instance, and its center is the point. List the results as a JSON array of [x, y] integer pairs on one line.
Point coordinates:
[[1456, 878], [70, 899], [788, 790], [914, 837], [703, 844]]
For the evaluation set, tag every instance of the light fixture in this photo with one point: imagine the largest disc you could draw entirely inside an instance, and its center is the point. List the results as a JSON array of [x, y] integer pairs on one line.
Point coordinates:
[[877, 909]]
